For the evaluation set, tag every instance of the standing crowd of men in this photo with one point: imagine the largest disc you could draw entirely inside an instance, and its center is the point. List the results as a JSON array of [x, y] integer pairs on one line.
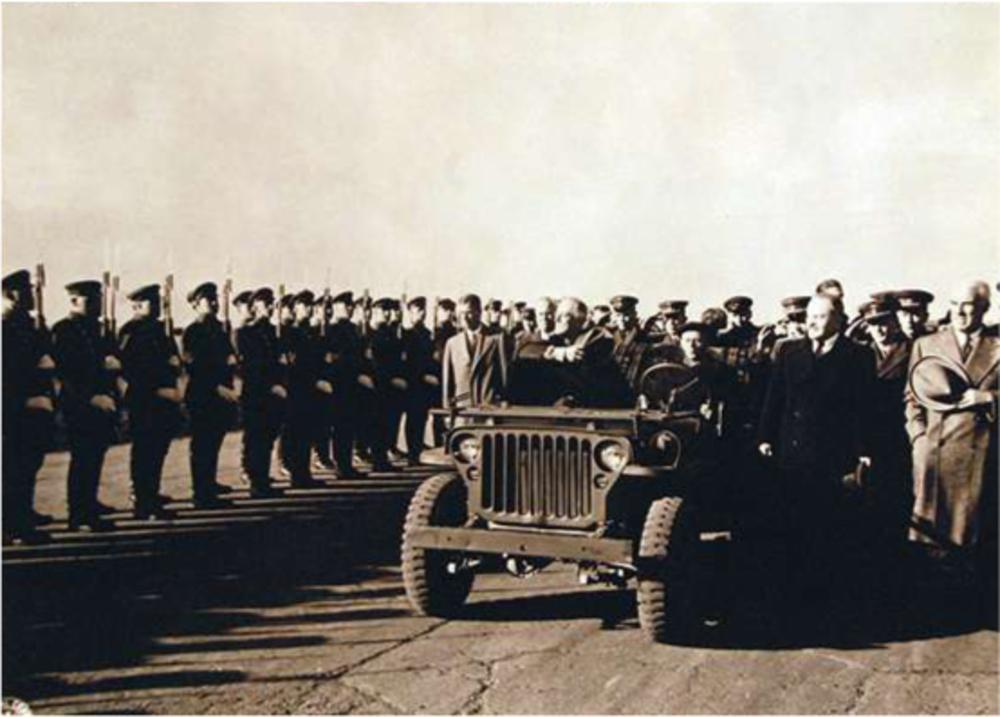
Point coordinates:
[[827, 404]]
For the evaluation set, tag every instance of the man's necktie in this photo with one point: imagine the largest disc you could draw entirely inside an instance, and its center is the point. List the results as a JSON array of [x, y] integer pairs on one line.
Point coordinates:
[[966, 348]]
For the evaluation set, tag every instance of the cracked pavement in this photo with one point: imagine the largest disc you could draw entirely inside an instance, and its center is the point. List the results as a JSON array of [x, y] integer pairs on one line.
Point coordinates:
[[296, 606]]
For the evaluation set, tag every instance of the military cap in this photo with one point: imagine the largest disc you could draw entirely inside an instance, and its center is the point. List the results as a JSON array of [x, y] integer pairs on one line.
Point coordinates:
[[737, 303], [265, 294], [494, 305], [418, 302], [795, 305], [145, 293], [344, 297], [672, 307], [913, 299], [600, 307], [520, 305], [243, 298], [447, 304], [206, 290], [385, 304], [879, 310], [20, 280], [87, 287], [304, 297], [286, 301], [694, 326], [623, 302]]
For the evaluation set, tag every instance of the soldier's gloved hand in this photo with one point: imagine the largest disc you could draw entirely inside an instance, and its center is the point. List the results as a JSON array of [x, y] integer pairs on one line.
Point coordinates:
[[432, 380], [279, 391], [227, 394], [111, 363], [399, 383], [46, 363], [706, 410], [174, 362], [573, 353], [324, 387], [103, 403], [765, 450], [366, 381], [169, 394], [39, 403]]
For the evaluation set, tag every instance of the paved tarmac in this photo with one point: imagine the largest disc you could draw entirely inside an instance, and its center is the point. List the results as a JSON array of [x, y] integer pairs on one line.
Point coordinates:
[[296, 605]]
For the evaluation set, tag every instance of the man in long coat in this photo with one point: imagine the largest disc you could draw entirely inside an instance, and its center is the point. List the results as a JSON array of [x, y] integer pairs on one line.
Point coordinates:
[[955, 450]]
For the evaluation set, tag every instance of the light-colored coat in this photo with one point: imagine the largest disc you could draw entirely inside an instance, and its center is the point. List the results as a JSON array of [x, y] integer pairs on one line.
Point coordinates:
[[475, 378], [954, 453]]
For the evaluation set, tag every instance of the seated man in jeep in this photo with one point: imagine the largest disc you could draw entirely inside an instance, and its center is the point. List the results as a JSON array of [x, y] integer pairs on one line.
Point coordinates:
[[574, 366]]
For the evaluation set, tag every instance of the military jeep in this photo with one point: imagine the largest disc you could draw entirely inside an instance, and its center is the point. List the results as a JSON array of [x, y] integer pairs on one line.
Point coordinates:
[[622, 492]]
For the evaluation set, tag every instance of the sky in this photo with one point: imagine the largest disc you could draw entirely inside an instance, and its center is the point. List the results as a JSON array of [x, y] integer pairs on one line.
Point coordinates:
[[682, 151]]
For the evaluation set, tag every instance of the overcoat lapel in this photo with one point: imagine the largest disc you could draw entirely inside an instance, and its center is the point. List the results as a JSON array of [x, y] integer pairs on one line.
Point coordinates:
[[983, 359]]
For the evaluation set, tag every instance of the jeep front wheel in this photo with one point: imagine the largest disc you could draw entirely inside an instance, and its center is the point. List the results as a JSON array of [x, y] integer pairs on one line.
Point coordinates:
[[431, 587], [665, 553]]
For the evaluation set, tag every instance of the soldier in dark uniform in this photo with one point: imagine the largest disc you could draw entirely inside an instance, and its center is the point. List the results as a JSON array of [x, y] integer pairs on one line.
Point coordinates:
[[344, 354], [492, 311], [264, 397], [150, 366], [714, 320], [27, 409], [211, 395], [423, 377], [673, 315], [286, 314], [912, 311], [741, 332], [631, 341], [790, 326], [308, 387], [390, 383], [515, 321], [323, 421], [85, 364], [600, 315], [443, 331], [892, 469]]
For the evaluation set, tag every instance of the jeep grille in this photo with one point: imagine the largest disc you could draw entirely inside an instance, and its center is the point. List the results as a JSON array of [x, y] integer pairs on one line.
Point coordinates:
[[538, 478]]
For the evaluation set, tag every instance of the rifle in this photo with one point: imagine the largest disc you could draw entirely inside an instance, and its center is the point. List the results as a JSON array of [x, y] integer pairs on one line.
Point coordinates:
[[324, 318], [105, 305], [366, 312], [227, 289], [402, 312], [434, 316], [168, 306], [115, 285], [38, 291], [281, 295]]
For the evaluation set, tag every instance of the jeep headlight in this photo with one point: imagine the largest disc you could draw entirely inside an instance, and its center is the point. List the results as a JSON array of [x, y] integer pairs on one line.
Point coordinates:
[[612, 457], [668, 445], [467, 449]]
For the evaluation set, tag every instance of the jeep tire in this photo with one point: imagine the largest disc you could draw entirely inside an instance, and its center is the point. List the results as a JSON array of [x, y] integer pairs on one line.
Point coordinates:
[[666, 549], [430, 588]]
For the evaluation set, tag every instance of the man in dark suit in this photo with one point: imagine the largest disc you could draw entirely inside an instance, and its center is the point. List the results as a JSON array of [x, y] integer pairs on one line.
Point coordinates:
[[815, 426], [474, 366], [85, 363], [28, 409], [212, 396], [150, 366]]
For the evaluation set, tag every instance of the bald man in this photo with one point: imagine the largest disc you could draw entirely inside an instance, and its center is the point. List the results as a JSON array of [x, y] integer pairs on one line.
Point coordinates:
[[955, 451], [814, 431]]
